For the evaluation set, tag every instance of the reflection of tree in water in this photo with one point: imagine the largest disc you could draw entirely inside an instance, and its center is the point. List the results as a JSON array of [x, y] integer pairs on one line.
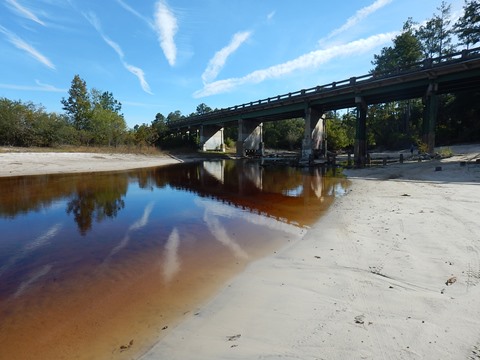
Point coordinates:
[[98, 199], [20, 195]]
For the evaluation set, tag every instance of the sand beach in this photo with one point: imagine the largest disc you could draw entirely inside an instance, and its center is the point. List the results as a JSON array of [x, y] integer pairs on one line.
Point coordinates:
[[17, 163]]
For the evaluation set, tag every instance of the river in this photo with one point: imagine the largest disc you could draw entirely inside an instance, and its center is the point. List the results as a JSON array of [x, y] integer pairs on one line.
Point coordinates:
[[101, 265]]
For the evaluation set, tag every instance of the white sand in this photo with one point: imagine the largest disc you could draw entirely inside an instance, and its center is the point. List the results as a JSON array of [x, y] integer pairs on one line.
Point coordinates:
[[368, 281], [37, 163]]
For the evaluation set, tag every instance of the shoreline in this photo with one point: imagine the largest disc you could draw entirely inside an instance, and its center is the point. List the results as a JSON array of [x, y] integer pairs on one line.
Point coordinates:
[[392, 270], [42, 163]]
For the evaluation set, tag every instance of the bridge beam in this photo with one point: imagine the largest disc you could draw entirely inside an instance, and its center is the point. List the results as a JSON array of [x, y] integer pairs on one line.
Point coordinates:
[[360, 148], [314, 133], [211, 138], [430, 117], [250, 137]]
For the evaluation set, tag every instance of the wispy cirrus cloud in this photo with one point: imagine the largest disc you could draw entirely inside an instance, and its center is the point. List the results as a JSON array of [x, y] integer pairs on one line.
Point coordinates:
[[310, 60], [136, 13], [139, 73], [29, 49], [40, 87], [23, 11], [359, 16], [306, 61], [166, 27], [164, 24], [218, 61]]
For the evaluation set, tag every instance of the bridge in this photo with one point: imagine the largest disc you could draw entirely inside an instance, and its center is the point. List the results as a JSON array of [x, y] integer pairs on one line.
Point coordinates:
[[427, 79]]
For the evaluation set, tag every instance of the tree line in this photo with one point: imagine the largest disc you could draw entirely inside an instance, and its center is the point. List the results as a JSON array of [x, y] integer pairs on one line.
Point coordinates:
[[94, 117], [91, 118]]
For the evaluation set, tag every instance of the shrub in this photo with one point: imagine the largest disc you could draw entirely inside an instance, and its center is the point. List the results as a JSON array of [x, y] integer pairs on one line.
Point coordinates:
[[229, 143], [445, 152]]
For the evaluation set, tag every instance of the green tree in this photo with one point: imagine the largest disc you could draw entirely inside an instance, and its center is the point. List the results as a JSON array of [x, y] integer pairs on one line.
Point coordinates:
[[174, 116], [159, 124], [388, 124], [436, 35], [467, 28], [49, 129], [406, 51], [340, 131], [106, 101], [27, 124], [78, 105], [10, 121], [285, 134], [203, 109], [145, 135], [108, 127]]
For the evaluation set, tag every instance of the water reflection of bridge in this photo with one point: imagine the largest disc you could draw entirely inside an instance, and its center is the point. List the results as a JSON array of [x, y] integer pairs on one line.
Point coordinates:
[[297, 196]]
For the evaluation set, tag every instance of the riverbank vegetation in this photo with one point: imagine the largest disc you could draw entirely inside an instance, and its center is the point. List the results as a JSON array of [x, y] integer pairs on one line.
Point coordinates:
[[93, 118]]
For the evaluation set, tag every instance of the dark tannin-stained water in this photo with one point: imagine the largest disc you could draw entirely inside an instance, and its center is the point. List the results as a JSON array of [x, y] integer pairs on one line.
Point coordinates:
[[100, 265]]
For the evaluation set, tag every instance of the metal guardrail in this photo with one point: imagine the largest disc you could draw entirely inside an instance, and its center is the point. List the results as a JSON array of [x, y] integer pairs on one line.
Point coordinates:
[[428, 63]]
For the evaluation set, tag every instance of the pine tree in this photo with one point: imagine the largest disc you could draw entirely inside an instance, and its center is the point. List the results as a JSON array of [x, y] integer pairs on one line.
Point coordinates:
[[78, 105], [467, 28]]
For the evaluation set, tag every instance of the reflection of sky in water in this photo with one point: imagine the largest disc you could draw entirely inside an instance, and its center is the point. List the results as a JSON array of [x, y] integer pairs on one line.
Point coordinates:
[[35, 244], [340, 190], [294, 192], [40, 243], [44, 270], [117, 245], [220, 234], [226, 211], [171, 263], [153, 218]]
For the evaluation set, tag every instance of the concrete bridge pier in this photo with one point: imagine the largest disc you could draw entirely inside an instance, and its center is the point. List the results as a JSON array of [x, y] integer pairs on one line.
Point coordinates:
[[430, 117], [250, 137], [360, 147], [314, 135], [211, 138]]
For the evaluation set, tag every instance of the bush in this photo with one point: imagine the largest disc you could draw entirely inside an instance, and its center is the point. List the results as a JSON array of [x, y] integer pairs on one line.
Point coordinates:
[[422, 147], [229, 143], [445, 152]]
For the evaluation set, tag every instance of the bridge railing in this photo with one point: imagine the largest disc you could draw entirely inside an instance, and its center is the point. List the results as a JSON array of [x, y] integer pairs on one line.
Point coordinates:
[[427, 63]]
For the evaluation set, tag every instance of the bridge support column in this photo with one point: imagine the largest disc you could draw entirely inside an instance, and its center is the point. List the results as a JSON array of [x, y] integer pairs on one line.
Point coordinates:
[[360, 148], [250, 137], [314, 134], [211, 138], [430, 117]]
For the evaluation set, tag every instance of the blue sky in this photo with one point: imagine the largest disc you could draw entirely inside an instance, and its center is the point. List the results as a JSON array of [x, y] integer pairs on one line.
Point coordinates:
[[162, 56]]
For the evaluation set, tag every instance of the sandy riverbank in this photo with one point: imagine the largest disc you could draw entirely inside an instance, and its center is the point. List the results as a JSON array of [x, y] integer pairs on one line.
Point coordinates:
[[38, 163], [391, 272]]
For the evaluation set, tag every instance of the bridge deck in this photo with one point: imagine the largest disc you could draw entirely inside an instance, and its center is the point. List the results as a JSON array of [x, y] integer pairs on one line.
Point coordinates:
[[457, 72]]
